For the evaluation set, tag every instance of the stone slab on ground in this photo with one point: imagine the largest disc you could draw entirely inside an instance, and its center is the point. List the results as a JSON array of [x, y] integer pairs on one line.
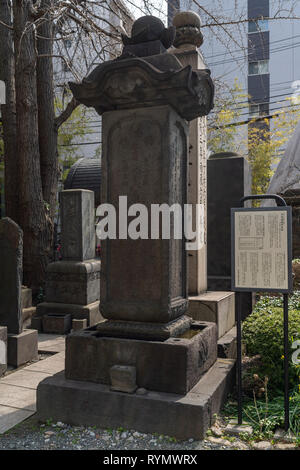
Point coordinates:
[[22, 348], [235, 429], [3, 349], [10, 417], [184, 416], [51, 365], [227, 345], [24, 378], [217, 307], [51, 343], [17, 397]]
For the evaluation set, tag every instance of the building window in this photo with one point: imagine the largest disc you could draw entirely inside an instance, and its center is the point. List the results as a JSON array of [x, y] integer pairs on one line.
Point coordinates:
[[255, 26], [256, 110], [258, 68]]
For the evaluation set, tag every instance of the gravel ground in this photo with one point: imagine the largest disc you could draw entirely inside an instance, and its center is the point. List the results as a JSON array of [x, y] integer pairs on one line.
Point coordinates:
[[32, 435]]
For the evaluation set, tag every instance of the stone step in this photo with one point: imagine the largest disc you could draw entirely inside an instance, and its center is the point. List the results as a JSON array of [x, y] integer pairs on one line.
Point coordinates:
[[217, 307], [26, 297], [184, 416], [227, 345]]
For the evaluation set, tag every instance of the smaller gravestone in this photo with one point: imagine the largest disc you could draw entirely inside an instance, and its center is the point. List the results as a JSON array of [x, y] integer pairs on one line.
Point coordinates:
[[73, 284], [77, 221], [22, 346], [11, 256]]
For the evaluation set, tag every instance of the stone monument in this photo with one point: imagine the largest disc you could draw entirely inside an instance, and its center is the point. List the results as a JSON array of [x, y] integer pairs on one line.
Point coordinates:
[[228, 181], [218, 307], [147, 359], [73, 284], [21, 343]]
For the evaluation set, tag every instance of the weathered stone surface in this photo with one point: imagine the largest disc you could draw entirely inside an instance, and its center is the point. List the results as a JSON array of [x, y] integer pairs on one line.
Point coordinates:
[[197, 178], [152, 285], [174, 365], [78, 224], [55, 323], [72, 282], [137, 82], [27, 314], [22, 348], [218, 307], [123, 378], [26, 297], [175, 415], [145, 331], [89, 312], [227, 345], [78, 324], [11, 255], [3, 349]]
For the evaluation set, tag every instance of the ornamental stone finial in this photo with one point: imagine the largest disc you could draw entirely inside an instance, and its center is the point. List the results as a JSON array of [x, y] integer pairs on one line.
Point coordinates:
[[188, 33], [148, 37]]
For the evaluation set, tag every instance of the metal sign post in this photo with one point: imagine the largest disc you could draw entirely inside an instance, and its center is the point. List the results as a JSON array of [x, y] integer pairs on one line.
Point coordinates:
[[262, 262]]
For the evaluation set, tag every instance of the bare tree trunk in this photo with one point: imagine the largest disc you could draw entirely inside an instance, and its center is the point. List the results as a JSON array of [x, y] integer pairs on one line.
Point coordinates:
[[45, 94], [32, 209], [8, 112]]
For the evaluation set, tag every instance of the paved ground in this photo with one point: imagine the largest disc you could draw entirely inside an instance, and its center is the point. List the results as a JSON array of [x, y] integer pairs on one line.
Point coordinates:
[[18, 388]]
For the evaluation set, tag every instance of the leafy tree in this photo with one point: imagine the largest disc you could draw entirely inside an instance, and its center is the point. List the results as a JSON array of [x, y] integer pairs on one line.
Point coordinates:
[[263, 142]]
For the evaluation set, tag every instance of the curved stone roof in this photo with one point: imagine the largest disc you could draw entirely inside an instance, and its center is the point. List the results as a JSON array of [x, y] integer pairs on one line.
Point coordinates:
[[85, 174]]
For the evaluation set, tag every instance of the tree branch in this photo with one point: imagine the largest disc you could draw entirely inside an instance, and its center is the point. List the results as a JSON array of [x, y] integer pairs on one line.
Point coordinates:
[[59, 120]]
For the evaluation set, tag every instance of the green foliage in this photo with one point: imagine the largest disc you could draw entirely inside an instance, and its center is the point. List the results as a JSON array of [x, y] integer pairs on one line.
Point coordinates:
[[263, 335], [221, 137], [265, 417], [261, 144]]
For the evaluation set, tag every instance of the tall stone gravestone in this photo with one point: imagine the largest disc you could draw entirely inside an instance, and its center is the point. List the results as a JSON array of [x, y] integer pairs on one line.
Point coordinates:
[[213, 306], [22, 344], [73, 284], [147, 343], [187, 41], [228, 181]]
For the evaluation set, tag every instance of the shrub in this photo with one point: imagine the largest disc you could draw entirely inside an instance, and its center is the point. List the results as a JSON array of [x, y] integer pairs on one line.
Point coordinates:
[[263, 335]]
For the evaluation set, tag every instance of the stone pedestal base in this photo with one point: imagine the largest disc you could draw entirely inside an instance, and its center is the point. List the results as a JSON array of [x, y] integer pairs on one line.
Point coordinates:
[[174, 365], [144, 330], [89, 312], [22, 348], [217, 307], [3, 350], [59, 324], [182, 416], [76, 282]]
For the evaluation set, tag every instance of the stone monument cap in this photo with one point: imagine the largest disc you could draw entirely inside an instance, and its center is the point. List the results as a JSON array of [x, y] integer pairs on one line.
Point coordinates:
[[188, 33]]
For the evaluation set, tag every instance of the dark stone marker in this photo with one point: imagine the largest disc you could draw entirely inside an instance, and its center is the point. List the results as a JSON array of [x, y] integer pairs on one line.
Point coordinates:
[[11, 258], [228, 180]]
